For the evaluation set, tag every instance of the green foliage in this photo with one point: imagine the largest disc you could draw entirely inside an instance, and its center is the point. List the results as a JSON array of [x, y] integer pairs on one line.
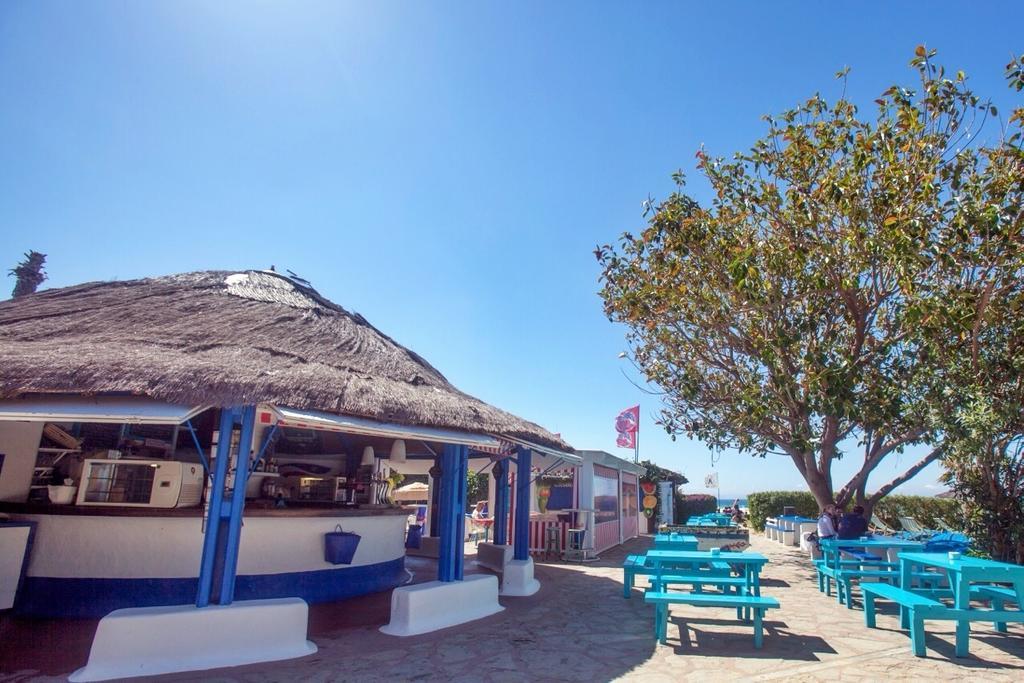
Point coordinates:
[[476, 488], [802, 311], [771, 504], [931, 512], [974, 325], [693, 504], [655, 473]]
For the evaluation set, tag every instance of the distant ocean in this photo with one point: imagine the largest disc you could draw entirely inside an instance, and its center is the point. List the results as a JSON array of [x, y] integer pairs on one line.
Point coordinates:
[[727, 502]]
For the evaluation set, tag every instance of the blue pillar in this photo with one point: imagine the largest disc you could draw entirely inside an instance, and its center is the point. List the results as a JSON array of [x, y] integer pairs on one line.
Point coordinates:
[[451, 512], [521, 530], [460, 507], [435, 498], [224, 517], [227, 585], [501, 502], [213, 517]]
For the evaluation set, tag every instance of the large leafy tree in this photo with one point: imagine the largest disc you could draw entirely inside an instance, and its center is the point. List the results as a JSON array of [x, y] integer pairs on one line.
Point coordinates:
[[786, 316], [975, 326]]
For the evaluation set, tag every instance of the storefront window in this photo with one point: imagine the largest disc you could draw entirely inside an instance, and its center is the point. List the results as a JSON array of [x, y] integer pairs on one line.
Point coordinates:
[[629, 500], [606, 496]]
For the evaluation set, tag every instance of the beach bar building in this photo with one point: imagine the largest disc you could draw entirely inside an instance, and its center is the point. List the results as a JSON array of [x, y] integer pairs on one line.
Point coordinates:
[[598, 494], [199, 456]]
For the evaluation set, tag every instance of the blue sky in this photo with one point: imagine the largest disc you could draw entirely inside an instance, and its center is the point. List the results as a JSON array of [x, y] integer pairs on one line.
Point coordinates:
[[445, 169]]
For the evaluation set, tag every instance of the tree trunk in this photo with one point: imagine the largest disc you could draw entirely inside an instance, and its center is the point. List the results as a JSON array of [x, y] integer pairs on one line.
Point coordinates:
[[820, 490]]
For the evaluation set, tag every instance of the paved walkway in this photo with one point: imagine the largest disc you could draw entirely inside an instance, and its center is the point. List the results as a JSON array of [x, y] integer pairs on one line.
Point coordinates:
[[579, 628]]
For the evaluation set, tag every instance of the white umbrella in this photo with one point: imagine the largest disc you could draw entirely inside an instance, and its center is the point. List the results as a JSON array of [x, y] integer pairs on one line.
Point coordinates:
[[414, 491]]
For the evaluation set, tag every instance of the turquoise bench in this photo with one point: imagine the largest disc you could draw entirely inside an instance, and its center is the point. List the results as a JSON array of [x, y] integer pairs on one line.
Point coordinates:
[[998, 596], [844, 587], [917, 606], [725, 583], [637, 564], [863, 555], [696, 580], [915, 609], [661, 601]]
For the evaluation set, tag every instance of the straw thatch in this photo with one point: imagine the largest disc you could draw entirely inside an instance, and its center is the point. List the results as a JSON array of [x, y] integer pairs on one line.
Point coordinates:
[[222, 338]]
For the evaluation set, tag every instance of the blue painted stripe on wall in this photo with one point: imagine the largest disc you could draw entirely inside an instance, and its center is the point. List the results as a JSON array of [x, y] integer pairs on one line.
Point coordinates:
[[91, 598]]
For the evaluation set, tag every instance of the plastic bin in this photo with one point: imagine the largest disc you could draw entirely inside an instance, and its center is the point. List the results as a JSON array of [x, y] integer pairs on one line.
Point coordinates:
[[340, 546], [412, 539]]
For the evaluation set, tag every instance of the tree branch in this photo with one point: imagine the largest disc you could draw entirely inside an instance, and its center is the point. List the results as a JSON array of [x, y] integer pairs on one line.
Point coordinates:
[[906, 476]]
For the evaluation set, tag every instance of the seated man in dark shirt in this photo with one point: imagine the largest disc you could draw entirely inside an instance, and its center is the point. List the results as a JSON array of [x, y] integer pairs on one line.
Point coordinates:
[[852, 524]]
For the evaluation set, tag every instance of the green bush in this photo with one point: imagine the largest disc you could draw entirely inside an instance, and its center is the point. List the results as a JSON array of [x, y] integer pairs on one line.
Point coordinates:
[[771, 503], [694, 504], [929, 511]]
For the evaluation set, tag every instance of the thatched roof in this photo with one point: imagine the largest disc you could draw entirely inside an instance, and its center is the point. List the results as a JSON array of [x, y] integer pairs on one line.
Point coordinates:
[[223, 338]]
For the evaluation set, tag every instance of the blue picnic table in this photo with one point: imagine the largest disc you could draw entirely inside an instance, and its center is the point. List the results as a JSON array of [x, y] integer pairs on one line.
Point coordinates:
[[868, 557], [675, 541], [968, 577], [698, 567], [749, 564]]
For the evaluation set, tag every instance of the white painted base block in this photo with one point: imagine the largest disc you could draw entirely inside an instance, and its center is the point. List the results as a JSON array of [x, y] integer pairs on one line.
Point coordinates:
[[493, 557], [431, 606], [518, 581], [146, 641]]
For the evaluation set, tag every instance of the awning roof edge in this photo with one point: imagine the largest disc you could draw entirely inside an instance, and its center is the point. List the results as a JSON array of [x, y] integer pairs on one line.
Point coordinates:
[[555, 453], [97, 409], [314, 419]]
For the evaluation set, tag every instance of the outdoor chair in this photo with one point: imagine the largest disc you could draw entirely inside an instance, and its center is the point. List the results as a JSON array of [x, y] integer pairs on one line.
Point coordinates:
[[881, 527], [914, 528], [474, 530]]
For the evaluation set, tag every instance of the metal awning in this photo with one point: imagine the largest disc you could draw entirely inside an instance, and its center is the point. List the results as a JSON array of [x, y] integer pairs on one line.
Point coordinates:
[[312, 419], [568, 458], [107, 409]]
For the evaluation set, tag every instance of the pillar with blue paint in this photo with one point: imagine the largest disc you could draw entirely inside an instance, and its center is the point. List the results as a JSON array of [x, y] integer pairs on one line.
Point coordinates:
[[517, 579], [501, 499]]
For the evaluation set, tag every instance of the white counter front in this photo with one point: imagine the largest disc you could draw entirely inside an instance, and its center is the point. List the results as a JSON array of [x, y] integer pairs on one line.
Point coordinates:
[[88, 564]]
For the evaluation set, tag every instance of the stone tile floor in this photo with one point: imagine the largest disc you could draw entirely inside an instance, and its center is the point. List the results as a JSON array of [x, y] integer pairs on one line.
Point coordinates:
[[579, 628]]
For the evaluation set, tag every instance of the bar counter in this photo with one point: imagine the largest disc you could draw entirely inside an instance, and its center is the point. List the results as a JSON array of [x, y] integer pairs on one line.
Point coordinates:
[[252, 509], [89, 560]]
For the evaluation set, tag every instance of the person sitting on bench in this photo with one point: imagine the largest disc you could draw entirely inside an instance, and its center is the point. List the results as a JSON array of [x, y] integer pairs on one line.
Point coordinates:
[[852, 524], [827, 522]]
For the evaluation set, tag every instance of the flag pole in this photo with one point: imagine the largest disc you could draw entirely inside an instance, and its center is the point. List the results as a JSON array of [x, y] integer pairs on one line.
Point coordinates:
[[636, 444]]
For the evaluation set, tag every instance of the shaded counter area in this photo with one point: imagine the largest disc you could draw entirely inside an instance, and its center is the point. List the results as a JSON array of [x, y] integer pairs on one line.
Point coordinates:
[[86, 562]]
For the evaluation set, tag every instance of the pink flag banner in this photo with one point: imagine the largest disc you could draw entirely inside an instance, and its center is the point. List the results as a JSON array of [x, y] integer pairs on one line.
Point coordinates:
[[627, 424]]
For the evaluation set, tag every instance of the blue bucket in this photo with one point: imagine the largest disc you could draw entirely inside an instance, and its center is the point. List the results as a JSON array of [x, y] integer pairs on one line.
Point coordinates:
[[340, 546]]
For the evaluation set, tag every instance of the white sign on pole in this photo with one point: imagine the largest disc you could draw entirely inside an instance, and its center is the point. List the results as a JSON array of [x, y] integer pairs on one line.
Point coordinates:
[[667, 512], [711, 481]]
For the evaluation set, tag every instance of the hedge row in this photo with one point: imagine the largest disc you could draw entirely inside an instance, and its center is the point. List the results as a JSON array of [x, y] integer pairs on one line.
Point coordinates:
[[771, 503], [929, 511], [694, 504]]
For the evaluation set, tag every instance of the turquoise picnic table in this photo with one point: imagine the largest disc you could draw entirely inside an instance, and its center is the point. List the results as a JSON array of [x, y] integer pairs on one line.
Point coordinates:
[[675, 542], [968, 577], [870, 559], [694, 566], [749, 564]]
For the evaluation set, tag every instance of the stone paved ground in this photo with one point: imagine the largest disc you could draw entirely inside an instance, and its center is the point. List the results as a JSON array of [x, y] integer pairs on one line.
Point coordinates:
[[579, 628]]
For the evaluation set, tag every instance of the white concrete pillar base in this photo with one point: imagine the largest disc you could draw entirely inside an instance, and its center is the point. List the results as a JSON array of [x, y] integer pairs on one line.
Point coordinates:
[[494, 557], [146, 641], [518, 581], [434, 605]]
